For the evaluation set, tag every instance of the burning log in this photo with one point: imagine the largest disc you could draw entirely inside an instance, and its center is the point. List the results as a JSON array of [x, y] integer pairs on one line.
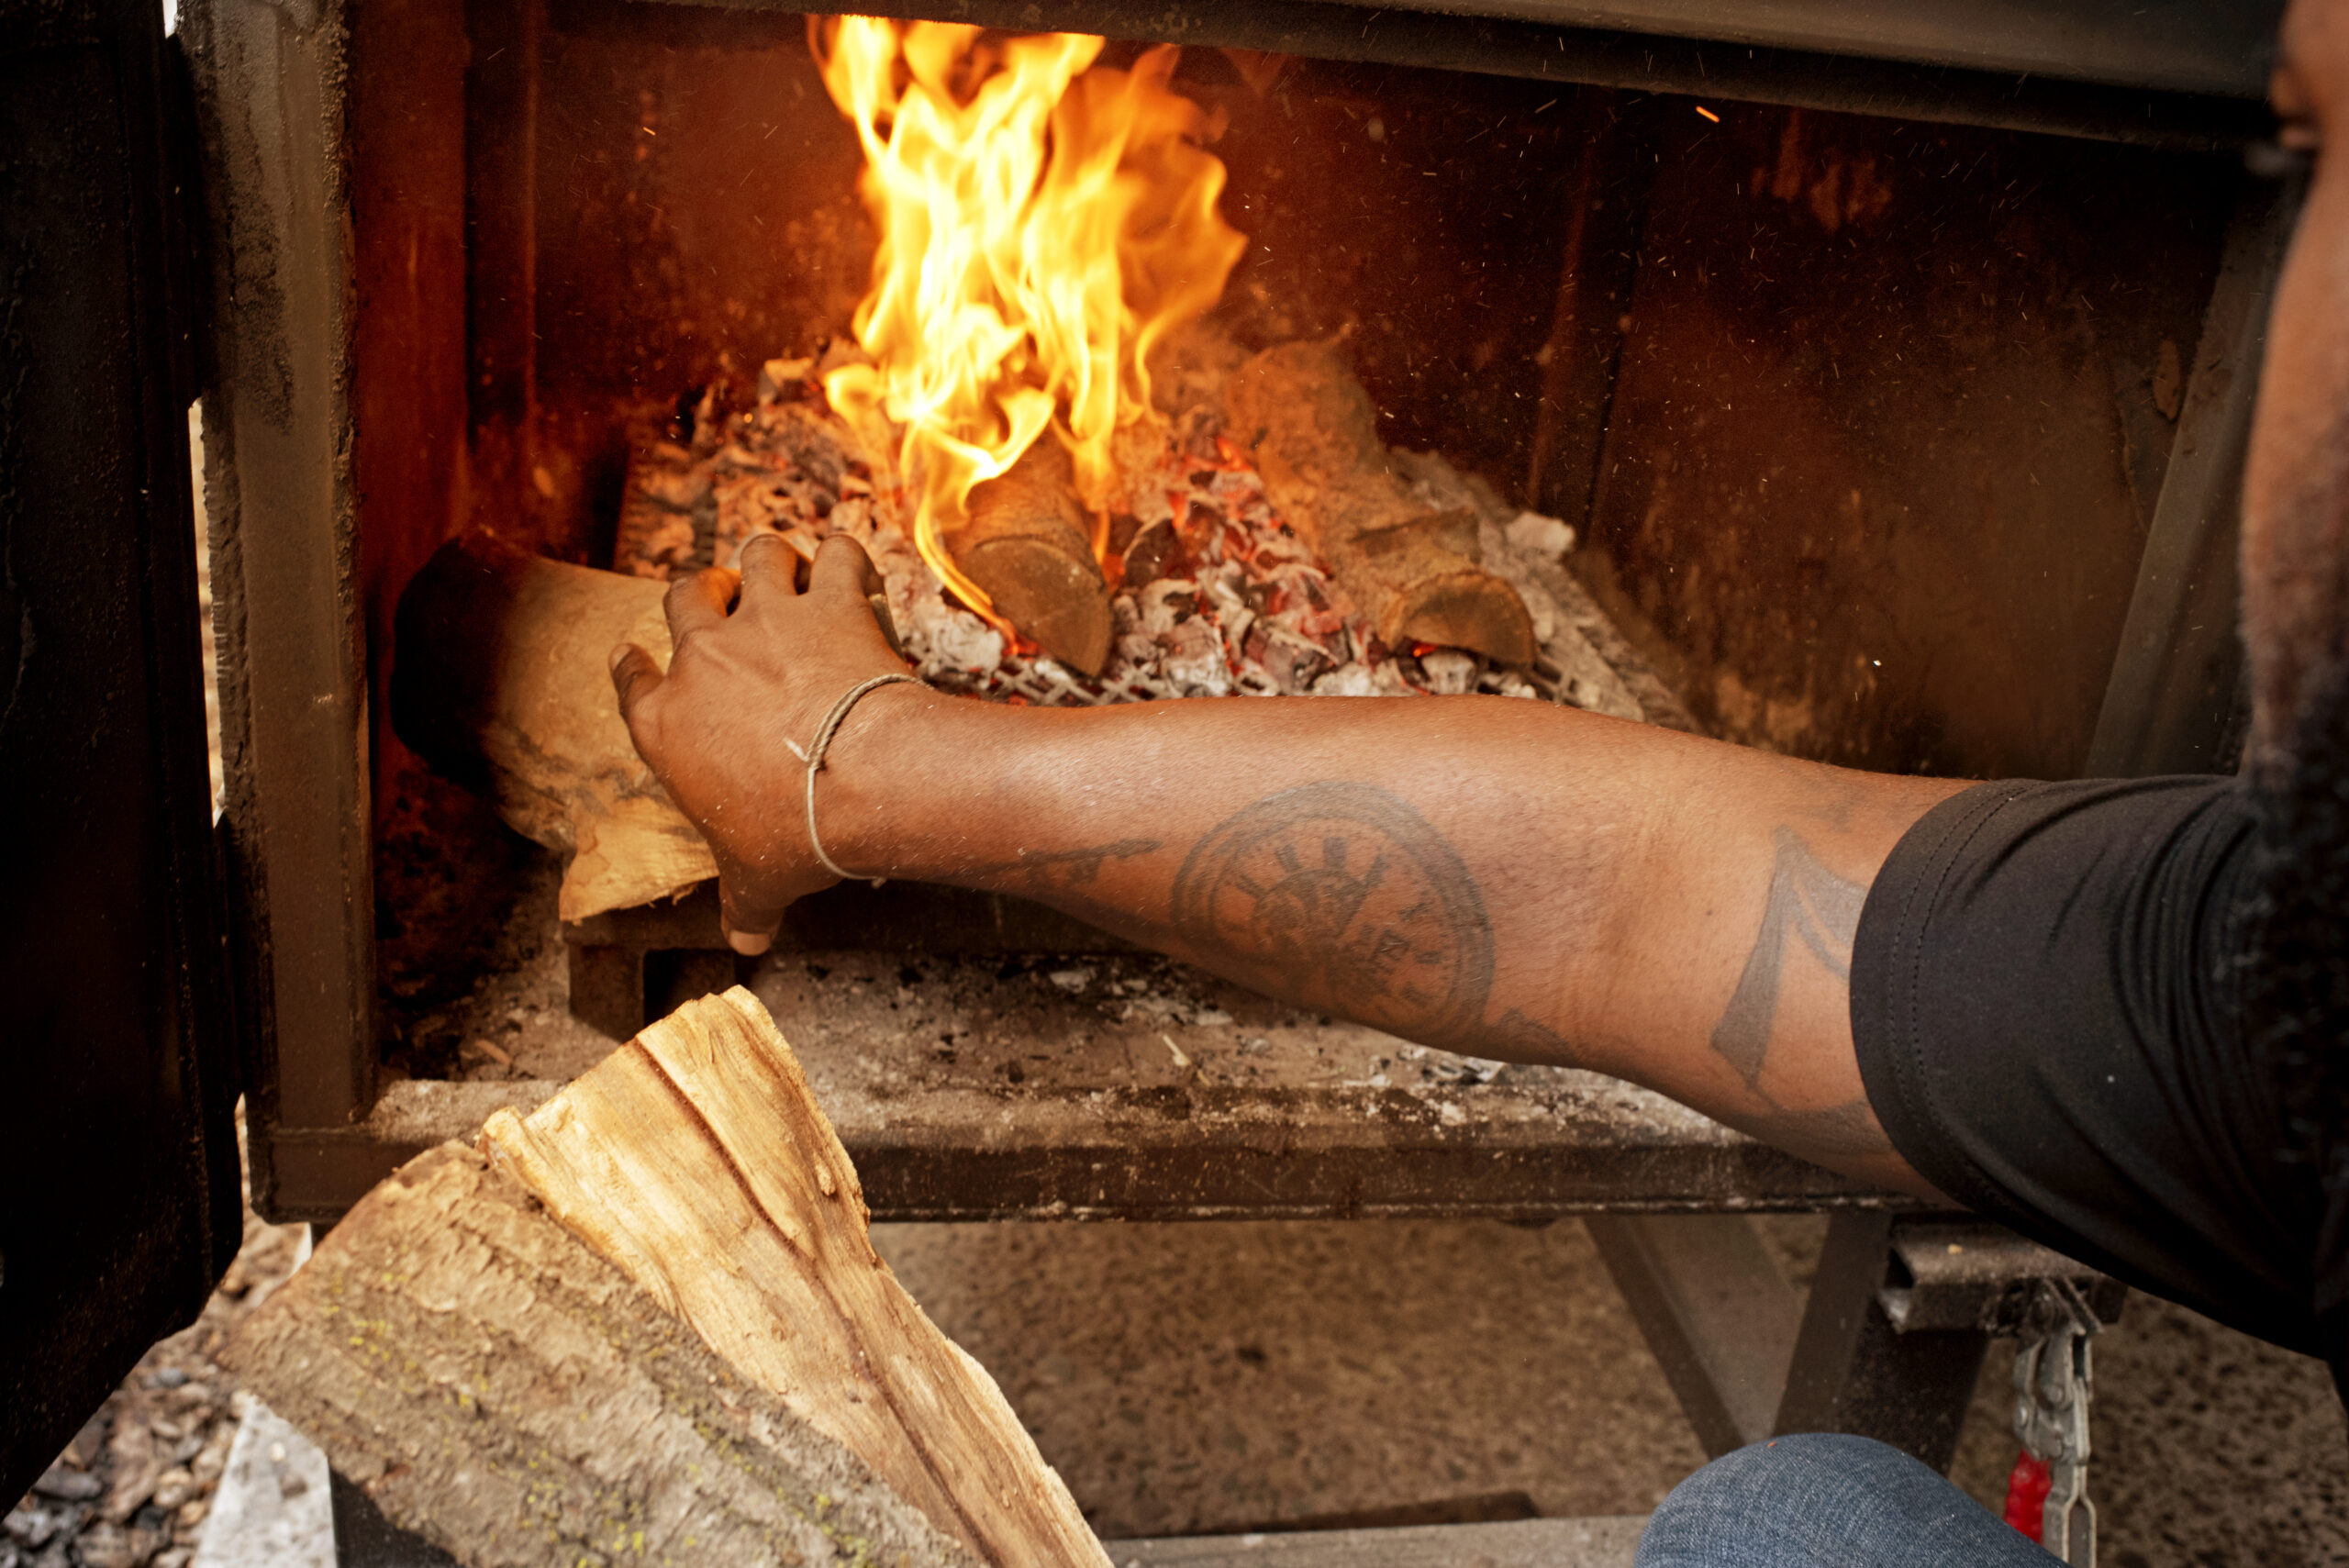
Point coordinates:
[[1417, 574], [1029, 546], [651, 1324], [499, 681]]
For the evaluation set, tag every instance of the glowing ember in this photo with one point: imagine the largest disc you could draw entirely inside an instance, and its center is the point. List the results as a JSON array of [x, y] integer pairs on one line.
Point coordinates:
[[1042, 224]]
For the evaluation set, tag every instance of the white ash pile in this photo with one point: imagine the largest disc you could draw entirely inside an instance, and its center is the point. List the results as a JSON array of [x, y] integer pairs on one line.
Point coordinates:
[[1214, 595]]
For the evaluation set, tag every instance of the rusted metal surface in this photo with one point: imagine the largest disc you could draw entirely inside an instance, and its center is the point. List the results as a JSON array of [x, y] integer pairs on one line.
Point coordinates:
[[1895, 405]]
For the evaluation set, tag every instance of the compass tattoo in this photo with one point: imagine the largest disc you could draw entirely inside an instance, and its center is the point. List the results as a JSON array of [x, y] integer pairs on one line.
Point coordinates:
[[1343, 897]]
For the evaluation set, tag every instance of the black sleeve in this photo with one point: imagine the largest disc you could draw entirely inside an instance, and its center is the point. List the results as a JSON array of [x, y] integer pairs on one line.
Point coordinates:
[[2044, 1001]]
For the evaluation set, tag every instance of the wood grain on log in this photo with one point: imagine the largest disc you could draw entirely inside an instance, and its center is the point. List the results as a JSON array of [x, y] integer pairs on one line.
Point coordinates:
[[497, 1388], [499, 680], [1029, 545], [1415, 571], [696, 1160]]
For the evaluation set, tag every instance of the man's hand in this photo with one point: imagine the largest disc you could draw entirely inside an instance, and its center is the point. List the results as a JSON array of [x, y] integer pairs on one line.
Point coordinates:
[[724, 728]]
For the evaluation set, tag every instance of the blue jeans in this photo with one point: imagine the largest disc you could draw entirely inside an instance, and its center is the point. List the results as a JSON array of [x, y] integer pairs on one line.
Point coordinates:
[[1837, 1502]]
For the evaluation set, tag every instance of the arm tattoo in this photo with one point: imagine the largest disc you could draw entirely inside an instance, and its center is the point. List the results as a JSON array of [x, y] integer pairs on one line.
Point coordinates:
[[1065, 878], [1051, 870], [1822, 910], [1344, 897]]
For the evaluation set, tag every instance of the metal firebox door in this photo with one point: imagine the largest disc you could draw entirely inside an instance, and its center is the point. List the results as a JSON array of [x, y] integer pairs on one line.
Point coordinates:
[[119, 1184]]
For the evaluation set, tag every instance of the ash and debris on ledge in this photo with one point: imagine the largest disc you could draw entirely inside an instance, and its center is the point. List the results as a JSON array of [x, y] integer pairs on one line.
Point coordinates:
[[135, 1486], [878, 1029]]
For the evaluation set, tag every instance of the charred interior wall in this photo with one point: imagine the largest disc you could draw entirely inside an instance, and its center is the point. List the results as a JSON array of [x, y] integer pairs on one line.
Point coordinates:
[[1892, 404]]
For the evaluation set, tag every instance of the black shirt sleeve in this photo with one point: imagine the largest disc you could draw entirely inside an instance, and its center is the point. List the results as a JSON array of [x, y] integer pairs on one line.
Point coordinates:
[[2045, 1002]]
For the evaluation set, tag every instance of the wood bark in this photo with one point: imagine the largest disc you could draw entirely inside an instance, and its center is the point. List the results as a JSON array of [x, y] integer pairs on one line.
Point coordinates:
[[500, 681], [696, 1160], [1415, 571], [1029, 546], [497, 1388]]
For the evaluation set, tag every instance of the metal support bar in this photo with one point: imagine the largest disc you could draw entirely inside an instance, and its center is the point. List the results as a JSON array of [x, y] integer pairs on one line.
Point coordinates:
[[1854, 1372], [1969, 1274], [2171, 704], [1714, 1308]]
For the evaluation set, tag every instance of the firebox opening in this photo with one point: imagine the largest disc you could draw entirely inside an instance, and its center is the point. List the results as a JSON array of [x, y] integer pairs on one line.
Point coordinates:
[[1857, 422]]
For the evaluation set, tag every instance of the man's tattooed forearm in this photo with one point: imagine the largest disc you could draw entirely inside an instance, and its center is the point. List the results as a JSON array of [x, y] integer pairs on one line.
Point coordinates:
[[1821, 909], [1343, 898]]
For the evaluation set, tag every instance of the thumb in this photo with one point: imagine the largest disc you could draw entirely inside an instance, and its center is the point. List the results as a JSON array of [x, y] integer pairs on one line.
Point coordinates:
[[635, 677], [752, 915]]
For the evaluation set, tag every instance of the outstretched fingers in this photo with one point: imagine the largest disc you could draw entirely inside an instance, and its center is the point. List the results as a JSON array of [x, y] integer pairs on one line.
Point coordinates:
[[635, 677], [770, 567], [698, 602], [842, 572]]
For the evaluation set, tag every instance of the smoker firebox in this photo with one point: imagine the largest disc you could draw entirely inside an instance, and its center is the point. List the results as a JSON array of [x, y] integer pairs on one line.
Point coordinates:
[[1894, 364], [1893, 369], [1866, 422]]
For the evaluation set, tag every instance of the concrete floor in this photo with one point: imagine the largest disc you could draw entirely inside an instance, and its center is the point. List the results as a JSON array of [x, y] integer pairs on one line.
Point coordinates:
[[1194, 1378]]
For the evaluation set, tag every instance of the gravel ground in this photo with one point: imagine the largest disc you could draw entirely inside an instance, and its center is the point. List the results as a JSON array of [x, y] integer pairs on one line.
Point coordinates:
[[133, 1488]]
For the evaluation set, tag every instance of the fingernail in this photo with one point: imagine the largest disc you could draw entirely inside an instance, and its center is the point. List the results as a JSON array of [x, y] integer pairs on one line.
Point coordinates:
[[750, 944], [613, 664]]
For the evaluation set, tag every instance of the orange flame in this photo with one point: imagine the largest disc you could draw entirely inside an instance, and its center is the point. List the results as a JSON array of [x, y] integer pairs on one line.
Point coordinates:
[[1042, 225]]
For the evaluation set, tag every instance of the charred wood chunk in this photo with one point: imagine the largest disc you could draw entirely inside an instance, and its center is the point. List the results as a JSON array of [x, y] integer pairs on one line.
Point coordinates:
[[1417, 574], [1156, 553], [1029, 546]]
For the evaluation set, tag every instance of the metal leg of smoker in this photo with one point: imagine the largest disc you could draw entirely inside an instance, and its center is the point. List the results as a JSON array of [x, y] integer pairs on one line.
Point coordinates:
[[1852, 1372], [621, 989], [1714, 1308], [363, 1537], [607, 988]]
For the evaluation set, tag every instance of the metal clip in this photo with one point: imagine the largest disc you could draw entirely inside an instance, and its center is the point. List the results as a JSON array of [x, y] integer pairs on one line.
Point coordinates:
[[2051, 1387]]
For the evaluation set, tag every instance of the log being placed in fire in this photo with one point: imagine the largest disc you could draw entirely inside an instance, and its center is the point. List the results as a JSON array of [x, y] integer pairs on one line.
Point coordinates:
[[1029, 548], [499, 681], [1417, 574], [651, 1327]]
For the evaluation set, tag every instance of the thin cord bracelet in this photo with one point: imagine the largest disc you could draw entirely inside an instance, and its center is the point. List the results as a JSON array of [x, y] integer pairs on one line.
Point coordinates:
[[816, 748]]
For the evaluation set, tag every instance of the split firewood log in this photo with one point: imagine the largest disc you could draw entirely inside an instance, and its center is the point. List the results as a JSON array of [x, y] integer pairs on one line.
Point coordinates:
[[1029, 546], [497, 1388], [499, 681], [655, 1308], [1417, 574]]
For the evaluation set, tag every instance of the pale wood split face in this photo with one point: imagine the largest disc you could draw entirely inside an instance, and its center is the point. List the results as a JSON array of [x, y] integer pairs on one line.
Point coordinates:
[[650, 1324]]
